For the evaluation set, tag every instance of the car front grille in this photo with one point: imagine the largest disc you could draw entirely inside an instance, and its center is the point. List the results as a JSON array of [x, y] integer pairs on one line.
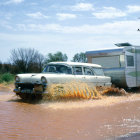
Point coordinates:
[[29, 88], [25, 86]]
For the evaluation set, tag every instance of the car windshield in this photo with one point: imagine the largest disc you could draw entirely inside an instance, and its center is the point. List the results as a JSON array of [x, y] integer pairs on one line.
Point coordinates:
[[57, 69], [98, 71]]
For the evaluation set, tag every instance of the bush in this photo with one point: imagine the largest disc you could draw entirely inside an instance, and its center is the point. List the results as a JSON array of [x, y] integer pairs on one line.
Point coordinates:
[[0, 80], [6, 77]]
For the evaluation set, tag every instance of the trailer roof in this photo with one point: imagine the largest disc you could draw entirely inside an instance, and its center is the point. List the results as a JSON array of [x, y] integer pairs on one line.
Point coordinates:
[[103, 52], [123, 44]]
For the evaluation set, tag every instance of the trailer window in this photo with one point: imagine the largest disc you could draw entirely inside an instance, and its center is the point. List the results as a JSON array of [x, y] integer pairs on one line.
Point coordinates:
[[107, 61], [130, 61]]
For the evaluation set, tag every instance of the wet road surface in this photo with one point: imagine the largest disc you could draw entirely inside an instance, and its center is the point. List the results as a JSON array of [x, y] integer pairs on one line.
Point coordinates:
[[77, 120]]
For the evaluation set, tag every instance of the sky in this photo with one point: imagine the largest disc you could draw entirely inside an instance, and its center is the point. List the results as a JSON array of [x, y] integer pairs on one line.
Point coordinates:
[[69, 26]]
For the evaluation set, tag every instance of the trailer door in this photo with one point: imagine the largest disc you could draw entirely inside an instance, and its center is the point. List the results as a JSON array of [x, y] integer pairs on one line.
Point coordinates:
[[130, 71], [138, 65]]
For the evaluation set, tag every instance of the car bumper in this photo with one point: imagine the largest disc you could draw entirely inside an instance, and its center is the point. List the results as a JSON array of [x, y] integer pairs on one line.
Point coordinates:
[[27, 88]]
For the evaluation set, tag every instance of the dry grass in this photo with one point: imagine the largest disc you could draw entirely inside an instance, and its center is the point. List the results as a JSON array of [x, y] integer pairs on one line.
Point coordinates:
[[6, 86]]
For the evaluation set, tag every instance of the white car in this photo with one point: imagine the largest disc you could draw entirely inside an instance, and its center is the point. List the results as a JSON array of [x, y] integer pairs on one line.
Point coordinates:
[[60, 73]]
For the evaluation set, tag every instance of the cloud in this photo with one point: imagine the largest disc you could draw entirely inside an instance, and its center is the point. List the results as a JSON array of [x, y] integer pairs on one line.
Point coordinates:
[[82, 7], [14, 2], [133, 8], [6, 25], [76, 38], [113, 28], [64, 16], [109, 12], [37, 15]]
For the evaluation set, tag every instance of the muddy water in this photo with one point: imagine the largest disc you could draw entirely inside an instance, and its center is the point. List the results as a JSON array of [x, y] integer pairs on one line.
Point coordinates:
[[110, 118]]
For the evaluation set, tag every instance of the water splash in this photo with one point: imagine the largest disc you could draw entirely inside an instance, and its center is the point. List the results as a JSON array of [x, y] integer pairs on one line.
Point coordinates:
[[79, 90]]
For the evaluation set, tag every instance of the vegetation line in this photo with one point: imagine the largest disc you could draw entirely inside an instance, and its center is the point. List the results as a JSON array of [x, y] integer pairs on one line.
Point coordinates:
[[6, 78], [31, 61]]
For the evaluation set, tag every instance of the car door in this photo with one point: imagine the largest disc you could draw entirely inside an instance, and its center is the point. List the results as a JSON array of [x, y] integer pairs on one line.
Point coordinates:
[[78, 73], [101, 79], [130, 70], [64, 74], [60, 74], [89, 77]]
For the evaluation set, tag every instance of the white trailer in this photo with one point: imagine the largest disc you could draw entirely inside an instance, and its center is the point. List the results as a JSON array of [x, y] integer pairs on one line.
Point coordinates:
[[122, 64]]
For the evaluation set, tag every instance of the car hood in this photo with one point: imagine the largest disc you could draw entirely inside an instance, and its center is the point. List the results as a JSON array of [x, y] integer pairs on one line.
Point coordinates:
[[34, 77], [29, 78]]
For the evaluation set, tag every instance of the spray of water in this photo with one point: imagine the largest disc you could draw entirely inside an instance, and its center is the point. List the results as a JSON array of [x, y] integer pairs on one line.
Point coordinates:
[[79, 90], [113, 91], [72, 90]]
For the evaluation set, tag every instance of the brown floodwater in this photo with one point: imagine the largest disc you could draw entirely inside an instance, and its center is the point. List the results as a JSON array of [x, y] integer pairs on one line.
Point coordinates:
[[112, 118]]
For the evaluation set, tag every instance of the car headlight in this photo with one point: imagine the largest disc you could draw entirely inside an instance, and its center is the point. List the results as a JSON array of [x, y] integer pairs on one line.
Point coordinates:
[[43, 80], [17, 79]]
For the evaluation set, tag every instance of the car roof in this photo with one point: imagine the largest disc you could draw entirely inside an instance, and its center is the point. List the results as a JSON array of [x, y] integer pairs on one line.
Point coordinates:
[[77, 64]]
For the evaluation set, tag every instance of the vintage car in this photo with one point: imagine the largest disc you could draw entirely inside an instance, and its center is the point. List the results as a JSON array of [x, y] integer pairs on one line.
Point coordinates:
[[60, 73]]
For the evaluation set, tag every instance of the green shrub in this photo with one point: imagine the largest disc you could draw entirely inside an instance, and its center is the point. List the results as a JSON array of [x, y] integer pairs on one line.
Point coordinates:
[[6, 77], [0, 80]]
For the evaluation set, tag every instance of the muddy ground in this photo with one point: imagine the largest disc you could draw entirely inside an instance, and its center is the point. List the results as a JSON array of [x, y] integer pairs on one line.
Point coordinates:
[[108, 118]]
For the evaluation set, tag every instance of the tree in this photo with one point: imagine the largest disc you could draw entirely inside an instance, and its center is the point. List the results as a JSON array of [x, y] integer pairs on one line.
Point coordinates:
[[0, 66], [40, 62], [5, 67], [58, 56], [26, 60], [80, 57]]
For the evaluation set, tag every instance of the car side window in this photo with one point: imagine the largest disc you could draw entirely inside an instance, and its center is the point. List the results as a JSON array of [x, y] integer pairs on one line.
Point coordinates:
[[52, 69], [58, 69], [98, 71], [77, 70], [88, 71], [64, 69]]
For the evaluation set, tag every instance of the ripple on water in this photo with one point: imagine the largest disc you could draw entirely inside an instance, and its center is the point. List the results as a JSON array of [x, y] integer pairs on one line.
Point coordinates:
[[129, 136]]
